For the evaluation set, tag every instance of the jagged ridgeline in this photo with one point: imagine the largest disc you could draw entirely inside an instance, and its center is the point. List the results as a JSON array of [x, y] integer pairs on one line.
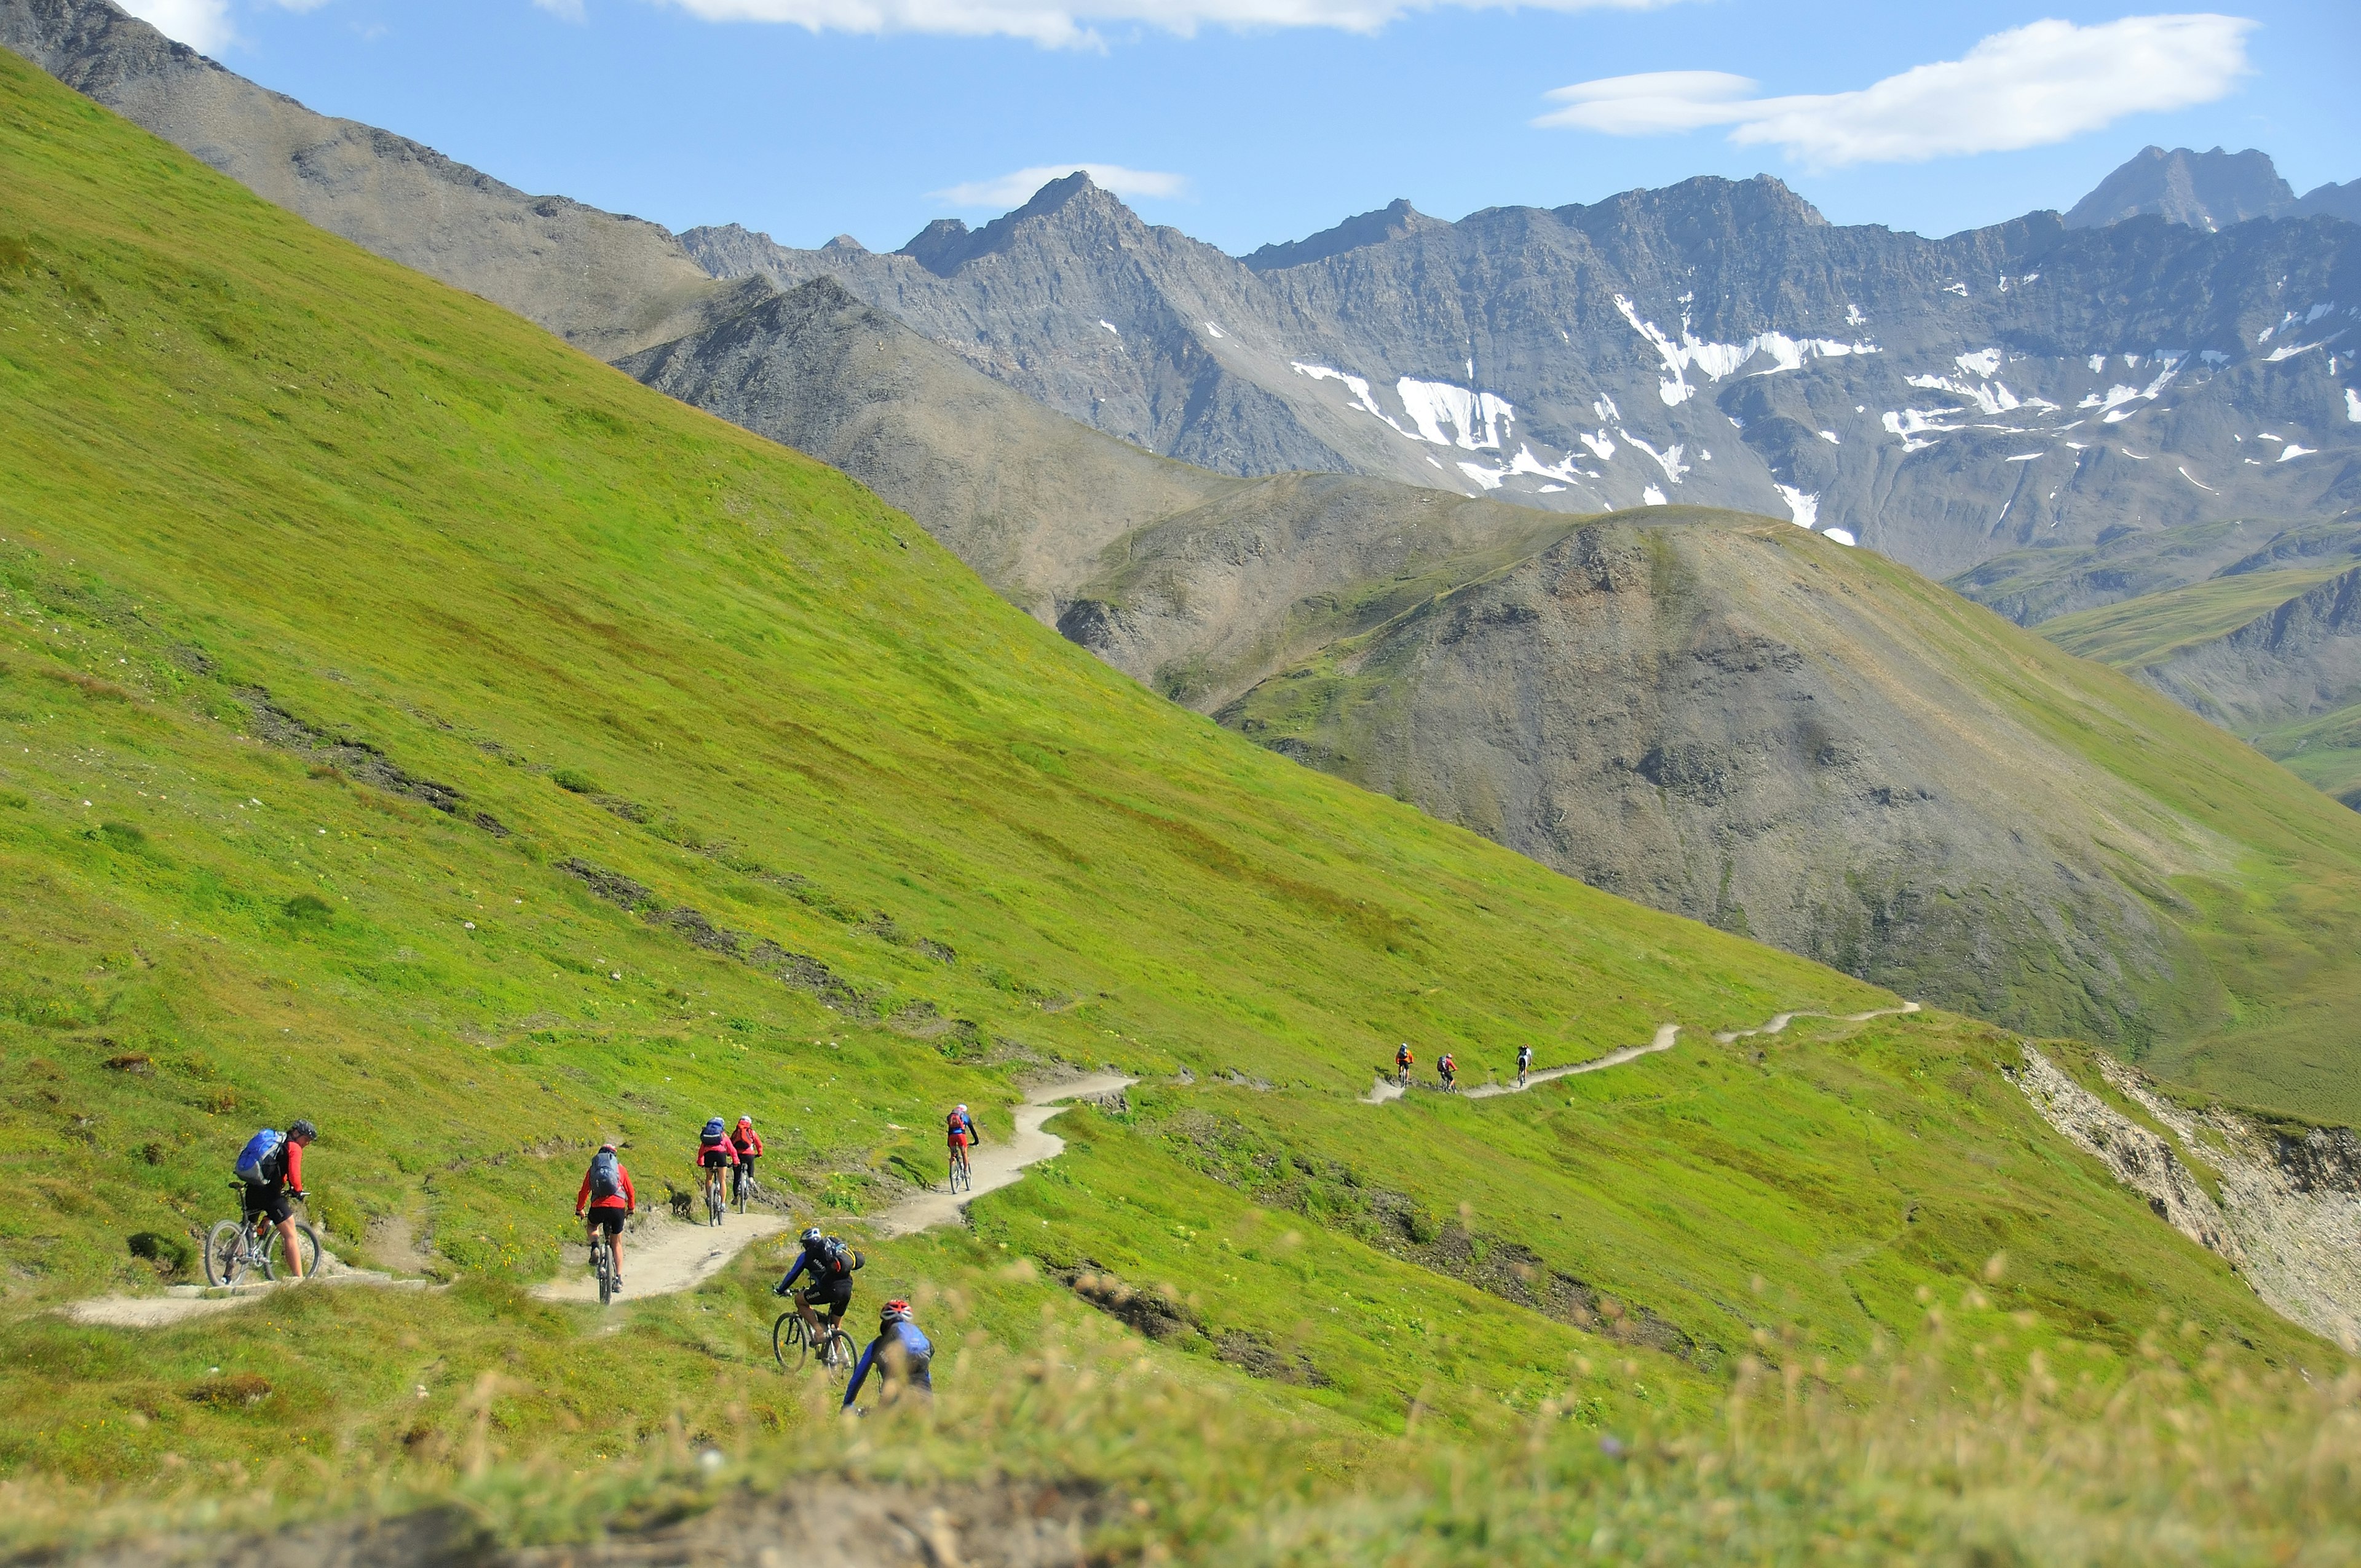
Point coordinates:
[[416, 725]]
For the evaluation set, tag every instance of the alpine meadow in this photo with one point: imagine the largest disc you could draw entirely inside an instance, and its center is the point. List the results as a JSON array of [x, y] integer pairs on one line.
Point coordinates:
[[411, 723]]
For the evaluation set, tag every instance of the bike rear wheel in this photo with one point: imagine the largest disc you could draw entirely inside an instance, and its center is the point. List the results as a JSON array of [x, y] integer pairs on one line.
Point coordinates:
[[307, 1242], [602, 1263], [838, 1354], [225, 1252], [714, 1206]]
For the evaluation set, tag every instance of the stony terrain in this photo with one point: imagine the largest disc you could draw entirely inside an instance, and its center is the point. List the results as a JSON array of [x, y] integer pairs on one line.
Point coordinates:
[[1715, 342]]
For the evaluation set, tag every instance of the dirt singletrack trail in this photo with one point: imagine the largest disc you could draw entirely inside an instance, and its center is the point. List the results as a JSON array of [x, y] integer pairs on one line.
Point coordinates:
[[1666, 1037], [184, 1303], [996, 1162], [667, 1255]]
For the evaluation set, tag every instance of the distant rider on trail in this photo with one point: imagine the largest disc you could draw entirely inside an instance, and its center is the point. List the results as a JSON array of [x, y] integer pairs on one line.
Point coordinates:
[[606, 1199], [714, 1153], [271, 1167], [959, 1132], [1403, 1060], [1449, 1071], [1524, 1063], [747, 1144], [830, 1264], [900, 1354]]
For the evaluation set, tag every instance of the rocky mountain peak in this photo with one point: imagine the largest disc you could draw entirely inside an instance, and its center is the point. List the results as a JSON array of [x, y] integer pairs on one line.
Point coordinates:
[[1393, 220], [2206, 190], [1071, 202]]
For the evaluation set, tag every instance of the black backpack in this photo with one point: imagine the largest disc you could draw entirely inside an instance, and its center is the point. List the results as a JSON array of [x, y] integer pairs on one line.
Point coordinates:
[[837, 1260], [604, 1180]]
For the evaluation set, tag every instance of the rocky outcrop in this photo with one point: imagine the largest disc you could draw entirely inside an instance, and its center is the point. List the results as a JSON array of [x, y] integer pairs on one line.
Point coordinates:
[[1716, 343], [2203, 189], [2288, 1216], [2297, 660]]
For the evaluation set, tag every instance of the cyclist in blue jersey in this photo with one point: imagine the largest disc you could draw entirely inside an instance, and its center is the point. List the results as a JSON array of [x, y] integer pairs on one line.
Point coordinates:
[[829, 1263], [900, 1355]]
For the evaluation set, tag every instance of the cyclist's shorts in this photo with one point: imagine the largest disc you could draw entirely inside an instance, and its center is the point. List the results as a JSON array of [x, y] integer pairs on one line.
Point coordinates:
[[959, 1140], [608, 1220], [269, 1199], [833, 1295], [715, 1159]]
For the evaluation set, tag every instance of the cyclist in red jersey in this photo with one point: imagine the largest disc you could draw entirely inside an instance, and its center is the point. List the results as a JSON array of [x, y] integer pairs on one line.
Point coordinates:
[[606, 1199]]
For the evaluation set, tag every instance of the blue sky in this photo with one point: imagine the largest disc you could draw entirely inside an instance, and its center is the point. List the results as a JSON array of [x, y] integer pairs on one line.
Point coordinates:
[[1245, 121]]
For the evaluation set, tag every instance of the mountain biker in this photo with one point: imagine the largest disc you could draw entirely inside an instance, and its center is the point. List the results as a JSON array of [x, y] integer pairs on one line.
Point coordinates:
[[605, 1201], [747, 1144], [958, 1131], [1524, 1063], [714, 1153], [271, 1167], [1403, 1060], [830, 1264], [899, 1352], [1449, 1071]]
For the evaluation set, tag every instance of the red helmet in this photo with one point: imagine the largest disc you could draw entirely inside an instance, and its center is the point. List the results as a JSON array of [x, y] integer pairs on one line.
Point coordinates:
[[893, 1311]]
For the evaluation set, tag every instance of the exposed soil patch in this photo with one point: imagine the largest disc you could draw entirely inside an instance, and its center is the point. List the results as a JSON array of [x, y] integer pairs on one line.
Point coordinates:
[[850, 1524], [1155, 1313], [357, 760]]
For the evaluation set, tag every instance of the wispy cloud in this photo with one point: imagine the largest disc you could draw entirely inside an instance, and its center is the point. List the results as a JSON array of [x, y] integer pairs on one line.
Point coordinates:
[[1016, 188], [1067, 24], [2027, 87], [564, 10], [201, 25]]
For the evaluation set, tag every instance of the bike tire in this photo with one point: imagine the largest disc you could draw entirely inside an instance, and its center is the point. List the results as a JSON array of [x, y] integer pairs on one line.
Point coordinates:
[[788, 1345], [837, 1355], [602, 1263], [714, 1207], [307, 1242], [225, 1259]]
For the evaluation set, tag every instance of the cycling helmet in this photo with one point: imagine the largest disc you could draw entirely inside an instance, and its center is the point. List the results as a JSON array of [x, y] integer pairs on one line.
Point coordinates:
[[814, 1236], [302, 1129], [745, 1121], [896, 1311], [606, 1148], [960, 1109], [713, 1127]]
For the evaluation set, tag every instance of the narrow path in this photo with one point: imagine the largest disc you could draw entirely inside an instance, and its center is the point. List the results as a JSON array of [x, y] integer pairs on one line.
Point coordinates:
[[667, 1254], [997, 1163], [184, 1303], [1666, 1038]]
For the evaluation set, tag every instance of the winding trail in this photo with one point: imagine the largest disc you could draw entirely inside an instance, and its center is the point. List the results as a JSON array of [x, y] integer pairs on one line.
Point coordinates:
[[1666, 1037], [184, 1303], [995, 1164]]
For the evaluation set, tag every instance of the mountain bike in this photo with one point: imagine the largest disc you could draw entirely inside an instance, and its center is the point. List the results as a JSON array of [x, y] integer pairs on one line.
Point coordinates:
[[745, 1190], [602, 1263], [795, 1343], [715, 1203], [962, 1180], [252, 1242]]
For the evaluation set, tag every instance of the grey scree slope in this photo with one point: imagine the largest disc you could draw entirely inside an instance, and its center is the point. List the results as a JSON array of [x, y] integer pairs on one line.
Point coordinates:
[[1716, 342], [605, 284]]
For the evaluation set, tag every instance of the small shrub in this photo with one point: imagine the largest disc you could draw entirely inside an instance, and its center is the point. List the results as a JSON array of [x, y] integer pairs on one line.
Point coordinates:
[[237, 1388], [123, 835], [15, 801], [573, 781], [170, 1255], [309, 908]]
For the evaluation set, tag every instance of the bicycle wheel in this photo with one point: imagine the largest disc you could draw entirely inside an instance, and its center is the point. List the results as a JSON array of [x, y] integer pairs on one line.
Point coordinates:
[[224, 1253], [307, 1242], [713, 1202], [838, 1354], [789, 1344], [603, 1261]]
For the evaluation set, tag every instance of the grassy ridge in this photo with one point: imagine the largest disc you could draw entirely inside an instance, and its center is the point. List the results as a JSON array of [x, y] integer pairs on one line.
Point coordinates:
[[2154, 627], [410, 723]]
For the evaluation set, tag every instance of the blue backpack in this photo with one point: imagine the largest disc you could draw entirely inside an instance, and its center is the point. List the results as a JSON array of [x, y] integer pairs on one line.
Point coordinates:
[[257, 1154], [603, 1181]]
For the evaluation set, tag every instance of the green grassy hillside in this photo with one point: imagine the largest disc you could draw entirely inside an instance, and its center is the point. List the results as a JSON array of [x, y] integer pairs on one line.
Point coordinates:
[[408, 722], [2155, 626]]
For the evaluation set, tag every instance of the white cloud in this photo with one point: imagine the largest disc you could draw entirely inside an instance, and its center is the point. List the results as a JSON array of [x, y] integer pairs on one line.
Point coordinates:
[[564, 10], [1070, 23], [2027, 87], [201, 24], [1013, 189]]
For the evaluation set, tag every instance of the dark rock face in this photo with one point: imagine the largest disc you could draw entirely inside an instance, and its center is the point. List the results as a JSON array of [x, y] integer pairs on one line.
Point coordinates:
[[2205, 190], [1716, 343], [1730, 719]]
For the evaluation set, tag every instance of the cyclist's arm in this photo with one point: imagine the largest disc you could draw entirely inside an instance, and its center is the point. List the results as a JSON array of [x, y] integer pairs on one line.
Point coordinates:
[[859, 1372], [582, 1199], [630, 1193], [803, 1261], [294, 1167]]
